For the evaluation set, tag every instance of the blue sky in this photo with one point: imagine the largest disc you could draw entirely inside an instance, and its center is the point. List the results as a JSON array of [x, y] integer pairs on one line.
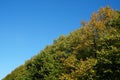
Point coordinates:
[[27, 26]]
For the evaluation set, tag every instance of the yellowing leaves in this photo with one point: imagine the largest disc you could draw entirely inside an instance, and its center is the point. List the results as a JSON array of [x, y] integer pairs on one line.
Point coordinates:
[[83, 70], [89, 53]]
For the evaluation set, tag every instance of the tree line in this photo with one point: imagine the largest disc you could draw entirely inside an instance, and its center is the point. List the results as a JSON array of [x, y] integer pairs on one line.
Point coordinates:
[[91, 52]]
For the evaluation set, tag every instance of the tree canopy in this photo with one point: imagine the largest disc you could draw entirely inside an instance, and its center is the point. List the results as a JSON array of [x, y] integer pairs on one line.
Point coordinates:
[[91, 52]]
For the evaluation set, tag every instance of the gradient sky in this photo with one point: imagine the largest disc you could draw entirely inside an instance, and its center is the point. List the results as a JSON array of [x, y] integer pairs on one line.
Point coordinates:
[[27, 26]]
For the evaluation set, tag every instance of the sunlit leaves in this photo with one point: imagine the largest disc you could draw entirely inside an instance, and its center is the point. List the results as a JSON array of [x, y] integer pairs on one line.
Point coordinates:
[[89, 53]]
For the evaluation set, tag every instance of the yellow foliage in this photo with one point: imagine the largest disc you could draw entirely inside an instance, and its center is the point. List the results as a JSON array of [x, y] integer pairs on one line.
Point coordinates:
[[83, 70]]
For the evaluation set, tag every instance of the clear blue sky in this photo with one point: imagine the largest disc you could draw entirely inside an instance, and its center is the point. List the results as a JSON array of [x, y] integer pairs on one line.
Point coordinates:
[[27, 26]]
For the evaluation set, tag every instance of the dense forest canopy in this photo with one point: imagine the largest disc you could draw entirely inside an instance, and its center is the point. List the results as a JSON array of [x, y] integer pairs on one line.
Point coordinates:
[[91, 52]]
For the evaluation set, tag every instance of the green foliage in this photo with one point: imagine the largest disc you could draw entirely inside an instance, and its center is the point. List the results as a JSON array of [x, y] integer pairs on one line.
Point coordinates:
[[89, 53], [108, 66]]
